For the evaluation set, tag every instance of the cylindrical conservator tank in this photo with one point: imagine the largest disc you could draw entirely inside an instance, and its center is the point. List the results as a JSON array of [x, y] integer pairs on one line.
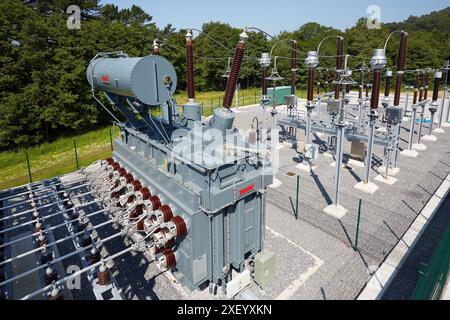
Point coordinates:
[[151, 79]]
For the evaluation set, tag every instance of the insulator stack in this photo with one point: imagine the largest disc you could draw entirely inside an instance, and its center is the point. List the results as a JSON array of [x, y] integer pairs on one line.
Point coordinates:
[[140, 225], [42, 240], [234, 73], [425, 95], [46, 256], [128, 178], [310, 94], [190, 66], [375, 90], [94, 256], [56, 294], [437, 83], [422, 85], [264, 82], [181, 226], [162, 215], [103, 275], [339, 65], [416, 87], [154, 202], [387, 89], [86, 240], [37, 227], [145, 193], [401, 61], [167, 260], [50, 276], [293, 66], [136, 212]]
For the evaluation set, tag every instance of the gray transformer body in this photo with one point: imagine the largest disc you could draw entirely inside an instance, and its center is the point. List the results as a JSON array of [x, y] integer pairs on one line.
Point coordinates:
[[217, 188]]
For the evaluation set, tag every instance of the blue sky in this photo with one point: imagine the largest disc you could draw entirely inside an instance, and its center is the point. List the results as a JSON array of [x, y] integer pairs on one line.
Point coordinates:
[[277, 15]]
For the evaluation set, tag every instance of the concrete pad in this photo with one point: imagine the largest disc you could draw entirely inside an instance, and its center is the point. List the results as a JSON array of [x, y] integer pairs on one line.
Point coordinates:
[[406, 119], [320, 135], [409, 153], [439, 130], [337, 212], [393, 172], [419, 147], [356, 163], [429, 138], [306, 167], [389, 180], [276, 183], [446, 125], [369, 187], [328, 155], [431, 207]]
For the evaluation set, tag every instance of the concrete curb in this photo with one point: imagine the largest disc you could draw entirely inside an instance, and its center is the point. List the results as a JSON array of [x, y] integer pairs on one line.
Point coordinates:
[[378, 283]]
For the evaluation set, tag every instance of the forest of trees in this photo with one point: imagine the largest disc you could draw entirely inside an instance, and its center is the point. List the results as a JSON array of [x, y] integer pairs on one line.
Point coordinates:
[[43, 89]]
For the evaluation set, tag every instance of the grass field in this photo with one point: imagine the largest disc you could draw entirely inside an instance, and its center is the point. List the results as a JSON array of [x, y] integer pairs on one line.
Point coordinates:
[[57, 158]]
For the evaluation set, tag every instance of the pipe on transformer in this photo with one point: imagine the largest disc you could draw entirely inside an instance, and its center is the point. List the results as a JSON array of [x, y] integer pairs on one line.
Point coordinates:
[[235, 70], [190, 66], [401, 61], [339, 64]]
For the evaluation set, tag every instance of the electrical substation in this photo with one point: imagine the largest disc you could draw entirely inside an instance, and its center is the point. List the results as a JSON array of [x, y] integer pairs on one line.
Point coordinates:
[[316, 198]]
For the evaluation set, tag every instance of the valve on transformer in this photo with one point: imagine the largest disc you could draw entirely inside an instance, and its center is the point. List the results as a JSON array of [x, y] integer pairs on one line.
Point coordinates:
[[176, 227]]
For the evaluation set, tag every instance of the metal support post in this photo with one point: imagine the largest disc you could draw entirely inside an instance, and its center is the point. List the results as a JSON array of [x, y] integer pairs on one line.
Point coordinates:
[[76, 153], [29, 168], [357, 225]]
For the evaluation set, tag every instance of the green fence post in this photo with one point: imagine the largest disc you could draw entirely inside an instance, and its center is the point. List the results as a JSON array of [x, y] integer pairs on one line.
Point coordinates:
[[357, 225], [243, 98], [296, 201], [111, 139], [76, 153], [29, 168]]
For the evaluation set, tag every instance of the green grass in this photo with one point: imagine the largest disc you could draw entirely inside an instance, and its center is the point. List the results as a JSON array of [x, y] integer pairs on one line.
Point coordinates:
[[51, 159], [58, 157]]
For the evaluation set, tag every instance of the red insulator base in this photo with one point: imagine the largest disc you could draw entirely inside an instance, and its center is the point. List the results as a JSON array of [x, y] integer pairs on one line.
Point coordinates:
[[104, 277], [181, 226], [167, 212], [156, 202]]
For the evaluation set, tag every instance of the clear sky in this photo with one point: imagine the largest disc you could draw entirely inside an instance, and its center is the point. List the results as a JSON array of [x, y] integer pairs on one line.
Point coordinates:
[[277, 15]]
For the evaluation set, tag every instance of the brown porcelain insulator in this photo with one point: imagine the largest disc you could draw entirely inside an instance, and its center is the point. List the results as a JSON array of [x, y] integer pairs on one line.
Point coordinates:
[[437, 83], [42, 241], [401, 61], [155, 201], [171, 260], [167, 212], [375, 90], [104, 276], [146, 194], [136, 185], [190, 69], [109, 161], [122, 172], [50, 277], [128, 178], [264, 82], [310, 94], [46, 256], [94, 257], [234, 75], [56, 295], [181, 226], [140, 225], [116, 166], [387, 89]]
